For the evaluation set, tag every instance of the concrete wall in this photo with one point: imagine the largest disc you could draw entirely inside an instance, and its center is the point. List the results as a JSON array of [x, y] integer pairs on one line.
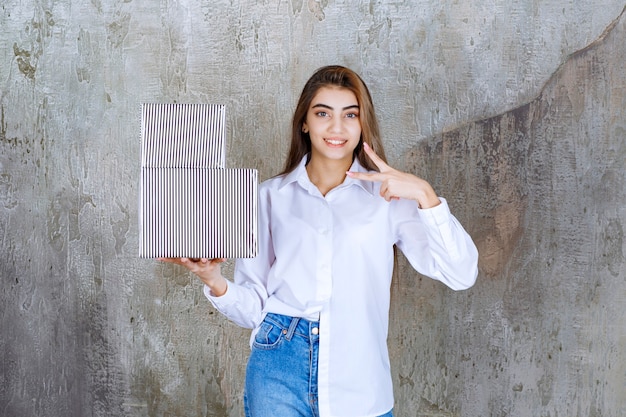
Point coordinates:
[[515, 111]]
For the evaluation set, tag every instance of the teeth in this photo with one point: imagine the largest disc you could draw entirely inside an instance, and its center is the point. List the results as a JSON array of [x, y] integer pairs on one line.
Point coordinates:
[[335, 142]]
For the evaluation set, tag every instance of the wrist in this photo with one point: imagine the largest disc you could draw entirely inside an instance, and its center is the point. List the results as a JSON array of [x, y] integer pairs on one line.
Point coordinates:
[[217, 287], [428, 200], [430, 204]]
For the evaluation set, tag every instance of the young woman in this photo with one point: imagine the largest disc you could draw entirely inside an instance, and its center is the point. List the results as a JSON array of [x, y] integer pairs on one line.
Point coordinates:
[[317, 295]]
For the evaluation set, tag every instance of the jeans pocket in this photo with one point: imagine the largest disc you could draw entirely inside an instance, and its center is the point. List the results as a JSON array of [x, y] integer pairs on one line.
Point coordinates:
[[268, 337]]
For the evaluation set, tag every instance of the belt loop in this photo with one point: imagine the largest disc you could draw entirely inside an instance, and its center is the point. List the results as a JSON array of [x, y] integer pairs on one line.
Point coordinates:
[[292, 327]]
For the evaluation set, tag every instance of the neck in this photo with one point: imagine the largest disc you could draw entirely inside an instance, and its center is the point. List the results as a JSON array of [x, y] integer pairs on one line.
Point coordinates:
[[327, 174]]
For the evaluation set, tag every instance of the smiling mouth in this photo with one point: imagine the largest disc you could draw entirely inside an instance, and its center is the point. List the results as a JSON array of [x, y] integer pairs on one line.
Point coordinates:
[[335, 142]]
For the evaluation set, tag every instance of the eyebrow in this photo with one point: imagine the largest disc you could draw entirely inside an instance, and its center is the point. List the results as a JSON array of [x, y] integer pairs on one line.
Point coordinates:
[[326, 106]]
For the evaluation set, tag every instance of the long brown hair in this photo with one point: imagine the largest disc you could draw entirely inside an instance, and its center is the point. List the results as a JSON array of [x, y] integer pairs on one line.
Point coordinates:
[[335, 75]]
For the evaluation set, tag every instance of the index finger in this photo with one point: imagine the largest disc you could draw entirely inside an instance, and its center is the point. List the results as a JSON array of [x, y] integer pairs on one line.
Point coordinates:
[[374, 157], [366, 176]]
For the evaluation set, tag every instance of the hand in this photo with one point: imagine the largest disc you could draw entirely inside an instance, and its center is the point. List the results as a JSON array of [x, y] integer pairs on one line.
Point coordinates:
[[208, 270], [397, 184]]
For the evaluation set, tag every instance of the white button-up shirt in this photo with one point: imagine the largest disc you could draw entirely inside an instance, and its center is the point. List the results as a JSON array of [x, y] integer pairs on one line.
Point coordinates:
[[332, 257]]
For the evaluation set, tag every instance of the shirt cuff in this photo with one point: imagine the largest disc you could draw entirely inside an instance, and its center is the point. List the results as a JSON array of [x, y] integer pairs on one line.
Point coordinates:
[[438, 215]]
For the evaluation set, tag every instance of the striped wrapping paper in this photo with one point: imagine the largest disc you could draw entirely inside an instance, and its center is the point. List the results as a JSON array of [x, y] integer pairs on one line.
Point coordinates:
[[190, 206], [183, 135]]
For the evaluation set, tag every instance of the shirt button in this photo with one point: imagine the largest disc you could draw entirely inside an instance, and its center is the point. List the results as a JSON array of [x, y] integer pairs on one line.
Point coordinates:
[[315, 330]]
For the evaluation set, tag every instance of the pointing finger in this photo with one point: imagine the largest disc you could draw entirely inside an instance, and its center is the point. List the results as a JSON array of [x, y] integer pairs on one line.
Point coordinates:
[[375, 158]]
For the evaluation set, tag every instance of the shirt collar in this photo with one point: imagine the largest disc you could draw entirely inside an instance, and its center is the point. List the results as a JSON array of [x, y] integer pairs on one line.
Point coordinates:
[[300, 176]]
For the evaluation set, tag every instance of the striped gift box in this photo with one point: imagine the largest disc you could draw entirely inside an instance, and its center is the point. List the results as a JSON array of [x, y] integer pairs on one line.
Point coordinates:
[[190, 205], [183, 135]]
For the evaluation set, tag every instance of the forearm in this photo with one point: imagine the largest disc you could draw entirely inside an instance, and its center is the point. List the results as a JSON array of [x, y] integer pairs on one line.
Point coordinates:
[[438, 246]]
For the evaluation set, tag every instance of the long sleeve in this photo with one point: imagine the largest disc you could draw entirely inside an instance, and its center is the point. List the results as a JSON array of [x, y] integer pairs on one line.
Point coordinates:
[[436, 244]]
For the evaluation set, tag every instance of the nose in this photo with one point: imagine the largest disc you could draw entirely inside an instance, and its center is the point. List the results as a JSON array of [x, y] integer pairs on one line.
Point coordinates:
[[336, 124]]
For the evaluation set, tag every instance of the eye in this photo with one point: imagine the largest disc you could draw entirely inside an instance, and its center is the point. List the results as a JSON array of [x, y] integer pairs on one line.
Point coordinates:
[[321, 114], [352, 115]]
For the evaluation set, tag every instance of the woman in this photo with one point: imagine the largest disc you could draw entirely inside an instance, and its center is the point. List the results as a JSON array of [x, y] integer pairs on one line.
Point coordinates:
[[317, 295]]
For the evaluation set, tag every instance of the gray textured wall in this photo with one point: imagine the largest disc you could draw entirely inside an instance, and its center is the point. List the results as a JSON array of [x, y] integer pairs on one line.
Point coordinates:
[[515, 111]]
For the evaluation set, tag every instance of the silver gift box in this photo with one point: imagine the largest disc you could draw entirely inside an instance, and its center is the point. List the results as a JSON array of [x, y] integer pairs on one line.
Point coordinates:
[[190, 205]]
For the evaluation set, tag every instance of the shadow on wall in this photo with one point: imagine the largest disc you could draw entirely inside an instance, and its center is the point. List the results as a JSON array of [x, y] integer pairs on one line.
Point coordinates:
[[541, 189], [544, 175], [485, 164]]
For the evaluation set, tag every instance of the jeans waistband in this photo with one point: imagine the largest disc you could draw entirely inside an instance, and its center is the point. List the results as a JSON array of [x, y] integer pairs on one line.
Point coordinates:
[[294, 325]]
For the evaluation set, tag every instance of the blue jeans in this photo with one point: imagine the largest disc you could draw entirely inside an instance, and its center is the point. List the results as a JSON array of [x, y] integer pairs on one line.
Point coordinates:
[[281, 376]]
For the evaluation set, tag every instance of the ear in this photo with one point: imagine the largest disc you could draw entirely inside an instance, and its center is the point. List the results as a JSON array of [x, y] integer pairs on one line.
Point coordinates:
[[305, 128]]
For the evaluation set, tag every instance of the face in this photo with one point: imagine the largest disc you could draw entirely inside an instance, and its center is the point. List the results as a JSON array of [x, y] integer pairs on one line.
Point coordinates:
[[333, 124]]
